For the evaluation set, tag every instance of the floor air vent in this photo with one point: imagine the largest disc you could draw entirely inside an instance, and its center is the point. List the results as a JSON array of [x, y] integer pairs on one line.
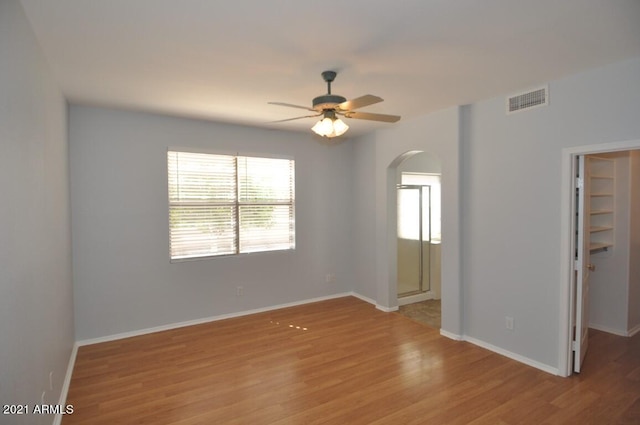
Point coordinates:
[[528, 100]]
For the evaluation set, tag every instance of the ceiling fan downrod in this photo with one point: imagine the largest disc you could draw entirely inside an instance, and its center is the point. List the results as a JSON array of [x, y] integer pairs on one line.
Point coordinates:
[[329, 76], [328, 101]]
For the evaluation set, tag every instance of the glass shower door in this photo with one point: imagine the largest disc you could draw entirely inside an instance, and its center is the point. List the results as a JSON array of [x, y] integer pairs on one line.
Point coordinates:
[[413, 239]]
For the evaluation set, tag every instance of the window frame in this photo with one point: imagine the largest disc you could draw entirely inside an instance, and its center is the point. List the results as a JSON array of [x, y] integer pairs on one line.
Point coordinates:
[[236, 204]]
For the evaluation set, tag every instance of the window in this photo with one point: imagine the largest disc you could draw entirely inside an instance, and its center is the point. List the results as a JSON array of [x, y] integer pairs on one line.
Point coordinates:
[[227, 204], [408, 207]]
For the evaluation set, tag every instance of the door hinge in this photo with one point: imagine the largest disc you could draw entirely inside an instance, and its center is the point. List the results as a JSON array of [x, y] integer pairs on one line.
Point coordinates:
[[574, 345], [576, 265], [579, 183]]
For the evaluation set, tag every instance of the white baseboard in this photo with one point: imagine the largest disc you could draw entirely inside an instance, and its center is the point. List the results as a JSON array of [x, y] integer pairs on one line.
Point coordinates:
[[57, 420], [363, 298], [451, 335], [373, 302], [74, 352], [634, 330], [177, 325], [386, 309], [456, 337], [479, 343], [608, 329], [513, 356], [501, 351], [416, 298]]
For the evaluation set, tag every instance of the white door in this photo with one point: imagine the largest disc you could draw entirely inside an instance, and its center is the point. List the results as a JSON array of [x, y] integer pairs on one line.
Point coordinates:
[[582, 266]]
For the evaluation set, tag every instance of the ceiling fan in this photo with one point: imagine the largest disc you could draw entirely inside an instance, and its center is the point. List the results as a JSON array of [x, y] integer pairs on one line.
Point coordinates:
[[331, 106]]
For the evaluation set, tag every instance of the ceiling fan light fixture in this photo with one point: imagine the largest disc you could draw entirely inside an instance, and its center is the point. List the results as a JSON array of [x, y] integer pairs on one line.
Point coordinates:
[[330, 127], [323, 127], [339, 127]]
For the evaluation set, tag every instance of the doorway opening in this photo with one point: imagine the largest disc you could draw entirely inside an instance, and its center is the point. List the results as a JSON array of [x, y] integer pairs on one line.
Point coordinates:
[[419, 235], [601, 198]]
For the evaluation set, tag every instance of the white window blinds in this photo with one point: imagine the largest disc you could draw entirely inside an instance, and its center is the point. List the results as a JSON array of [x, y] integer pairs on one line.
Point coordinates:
[[225, 204]]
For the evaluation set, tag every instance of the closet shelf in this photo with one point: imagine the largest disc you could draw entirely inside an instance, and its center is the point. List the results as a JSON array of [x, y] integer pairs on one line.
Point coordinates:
[[595, 229], [600, 197], [600, 246]]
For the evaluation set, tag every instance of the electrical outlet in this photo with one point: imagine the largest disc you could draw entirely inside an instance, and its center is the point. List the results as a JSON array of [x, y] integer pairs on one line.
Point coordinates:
[[239, 291], [330, 278], [51, 381], [508, 322]]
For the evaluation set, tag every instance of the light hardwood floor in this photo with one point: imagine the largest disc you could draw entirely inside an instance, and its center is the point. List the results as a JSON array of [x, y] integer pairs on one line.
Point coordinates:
[[341, 362]]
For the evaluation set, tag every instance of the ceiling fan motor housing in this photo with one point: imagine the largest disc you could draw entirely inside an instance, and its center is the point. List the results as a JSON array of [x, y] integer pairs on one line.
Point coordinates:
[[327, 101]]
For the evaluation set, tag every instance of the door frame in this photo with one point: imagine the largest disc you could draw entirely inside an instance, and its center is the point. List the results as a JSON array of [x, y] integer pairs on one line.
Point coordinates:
[[568, 244]]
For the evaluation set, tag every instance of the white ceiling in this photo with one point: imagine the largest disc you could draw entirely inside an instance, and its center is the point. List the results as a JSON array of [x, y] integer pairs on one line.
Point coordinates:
[[224, 60]]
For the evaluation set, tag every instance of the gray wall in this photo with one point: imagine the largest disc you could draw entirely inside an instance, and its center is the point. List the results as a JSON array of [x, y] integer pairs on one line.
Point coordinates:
[[123, 279], [378, 156], [511, 202], [36, 302], [501, 177], [364, 216]]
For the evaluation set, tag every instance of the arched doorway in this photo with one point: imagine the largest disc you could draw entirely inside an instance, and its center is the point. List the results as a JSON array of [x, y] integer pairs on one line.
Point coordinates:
[[415, 212]]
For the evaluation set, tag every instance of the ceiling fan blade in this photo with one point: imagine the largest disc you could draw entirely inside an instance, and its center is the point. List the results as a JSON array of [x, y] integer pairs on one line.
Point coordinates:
[[359, 102], [291, 105], [372, 117], [297, 118]]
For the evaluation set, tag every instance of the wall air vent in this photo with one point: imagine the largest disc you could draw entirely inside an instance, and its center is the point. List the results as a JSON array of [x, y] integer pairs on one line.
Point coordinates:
[[528, 100]]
